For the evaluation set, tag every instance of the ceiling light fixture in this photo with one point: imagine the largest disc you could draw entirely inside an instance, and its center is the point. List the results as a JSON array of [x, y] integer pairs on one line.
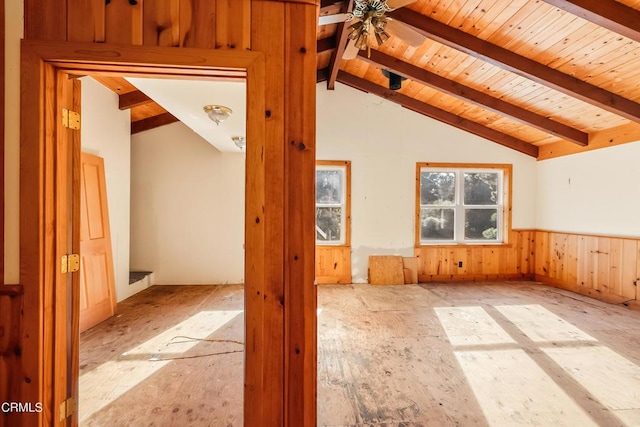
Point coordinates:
[[395, 80], [217, 113], [240, 141]]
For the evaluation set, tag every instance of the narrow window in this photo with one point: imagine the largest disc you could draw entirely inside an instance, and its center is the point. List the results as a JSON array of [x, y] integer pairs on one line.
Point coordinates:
[[332, 207]]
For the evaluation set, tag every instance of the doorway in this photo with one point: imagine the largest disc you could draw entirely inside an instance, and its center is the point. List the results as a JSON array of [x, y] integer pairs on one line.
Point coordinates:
[[49, 197], [187, 226]]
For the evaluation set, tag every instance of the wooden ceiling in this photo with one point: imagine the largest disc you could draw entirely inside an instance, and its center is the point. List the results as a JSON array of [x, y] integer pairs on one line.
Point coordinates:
[[535, 76], [145, 113], [544, 77]]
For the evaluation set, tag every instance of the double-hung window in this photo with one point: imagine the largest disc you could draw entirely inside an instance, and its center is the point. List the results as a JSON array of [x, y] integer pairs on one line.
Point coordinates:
[[462, 204], [332, 202]]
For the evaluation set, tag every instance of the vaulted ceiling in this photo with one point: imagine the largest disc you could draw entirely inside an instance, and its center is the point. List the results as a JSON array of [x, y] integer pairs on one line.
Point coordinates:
[[538, 76], [522, 73]]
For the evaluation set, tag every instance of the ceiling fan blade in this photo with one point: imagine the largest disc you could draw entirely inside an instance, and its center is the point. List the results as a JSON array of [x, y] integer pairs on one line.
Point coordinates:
[[394, 4], [404, 32], [351, 51], [332, 19]]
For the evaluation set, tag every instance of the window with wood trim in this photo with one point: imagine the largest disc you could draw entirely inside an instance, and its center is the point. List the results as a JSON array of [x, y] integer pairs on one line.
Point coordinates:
[[462, 203], [333, 202]]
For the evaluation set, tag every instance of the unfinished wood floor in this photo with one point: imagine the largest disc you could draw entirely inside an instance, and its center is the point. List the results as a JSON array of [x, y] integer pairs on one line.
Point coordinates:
[[499, 354]]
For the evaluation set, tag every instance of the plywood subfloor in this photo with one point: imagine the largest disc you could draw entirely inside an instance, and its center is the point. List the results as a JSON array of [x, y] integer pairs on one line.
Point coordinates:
[[500, 354]]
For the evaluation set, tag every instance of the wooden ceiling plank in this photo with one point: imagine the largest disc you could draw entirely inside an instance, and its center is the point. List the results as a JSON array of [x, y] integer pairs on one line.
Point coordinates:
[[152, 122], [519, 65], [341, 43], [133, 99], [476, 97], [438, 114], [608, 14]]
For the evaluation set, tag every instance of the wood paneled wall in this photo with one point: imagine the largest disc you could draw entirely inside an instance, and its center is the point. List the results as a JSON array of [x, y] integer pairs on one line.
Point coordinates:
[[511, 261], [603, 267], [607, 268], [333, 264], [10, 349], [210, 24]]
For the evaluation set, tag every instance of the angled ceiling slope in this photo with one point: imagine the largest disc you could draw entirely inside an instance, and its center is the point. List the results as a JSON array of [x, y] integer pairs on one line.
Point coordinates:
[[185, 99], [524, 74]]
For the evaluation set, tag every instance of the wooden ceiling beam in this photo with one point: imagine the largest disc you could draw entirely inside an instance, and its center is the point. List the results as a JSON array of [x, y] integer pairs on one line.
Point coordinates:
[[608, 14], [475, 97], [336, 57], [322, 75], [325, 44], [438, 114], [152, 122], [133, 99], [518, 64], [327, 3]]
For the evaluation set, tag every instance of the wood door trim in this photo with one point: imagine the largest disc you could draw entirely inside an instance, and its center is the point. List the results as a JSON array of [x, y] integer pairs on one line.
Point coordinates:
[[40, 63]]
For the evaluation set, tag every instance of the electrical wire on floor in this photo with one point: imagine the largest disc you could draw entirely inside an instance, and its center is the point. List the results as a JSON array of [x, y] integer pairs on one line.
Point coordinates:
[[185, 339], [188, 339]]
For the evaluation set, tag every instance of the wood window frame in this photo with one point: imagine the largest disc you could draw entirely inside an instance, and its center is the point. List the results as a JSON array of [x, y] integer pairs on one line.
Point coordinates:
[[507, 185], [347, 201]]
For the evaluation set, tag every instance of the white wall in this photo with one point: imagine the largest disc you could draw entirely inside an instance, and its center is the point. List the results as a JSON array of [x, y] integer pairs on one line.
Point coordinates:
[[14, 24], [384, 141], [106, 132], [595, 192], [187, 204]]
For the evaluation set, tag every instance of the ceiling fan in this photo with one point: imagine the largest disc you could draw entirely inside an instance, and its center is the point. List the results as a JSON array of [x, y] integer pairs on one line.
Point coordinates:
[[371, 24]]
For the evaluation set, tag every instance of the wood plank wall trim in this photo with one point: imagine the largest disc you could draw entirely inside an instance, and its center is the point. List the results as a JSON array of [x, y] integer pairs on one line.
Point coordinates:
[[605, 267], [478, 263], [10, 354]]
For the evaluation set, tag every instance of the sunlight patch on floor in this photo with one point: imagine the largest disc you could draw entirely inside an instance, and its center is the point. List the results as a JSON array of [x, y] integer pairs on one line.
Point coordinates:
[[541, 325], [107, 382], [171, 341], [471, 326], [513, 390], [609, 377]]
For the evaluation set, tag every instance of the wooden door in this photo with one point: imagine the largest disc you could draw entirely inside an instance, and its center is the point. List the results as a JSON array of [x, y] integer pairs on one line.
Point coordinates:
[[97, 285]]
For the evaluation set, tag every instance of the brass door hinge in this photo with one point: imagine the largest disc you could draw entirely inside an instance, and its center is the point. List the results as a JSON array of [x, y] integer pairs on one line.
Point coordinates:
[[70, 119], [70, 263], [67, 408]]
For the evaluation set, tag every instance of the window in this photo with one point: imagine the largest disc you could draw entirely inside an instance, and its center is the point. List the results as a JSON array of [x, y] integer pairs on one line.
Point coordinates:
[[332, 202], [462, 204]]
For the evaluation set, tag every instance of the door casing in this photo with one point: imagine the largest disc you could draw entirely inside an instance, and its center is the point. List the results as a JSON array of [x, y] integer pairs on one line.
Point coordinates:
[[44, 67]]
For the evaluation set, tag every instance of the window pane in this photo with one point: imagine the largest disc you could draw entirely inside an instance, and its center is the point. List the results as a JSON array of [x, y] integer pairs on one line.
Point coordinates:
[[481, 224], [437, 188], [480, 188], [328, 224], [437, 224], [329, 186]]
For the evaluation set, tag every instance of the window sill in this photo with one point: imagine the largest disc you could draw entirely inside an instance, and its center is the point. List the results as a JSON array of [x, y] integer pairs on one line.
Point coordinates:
[[465, 245]]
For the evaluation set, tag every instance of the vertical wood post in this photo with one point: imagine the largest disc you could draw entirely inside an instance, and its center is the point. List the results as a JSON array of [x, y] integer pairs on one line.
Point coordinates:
[[2, 77], [285, 32]]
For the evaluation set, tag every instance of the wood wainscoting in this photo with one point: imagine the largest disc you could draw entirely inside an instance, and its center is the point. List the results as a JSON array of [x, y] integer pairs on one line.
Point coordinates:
[[604, 267], [514, 260], [10, 349], [333, 264]]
